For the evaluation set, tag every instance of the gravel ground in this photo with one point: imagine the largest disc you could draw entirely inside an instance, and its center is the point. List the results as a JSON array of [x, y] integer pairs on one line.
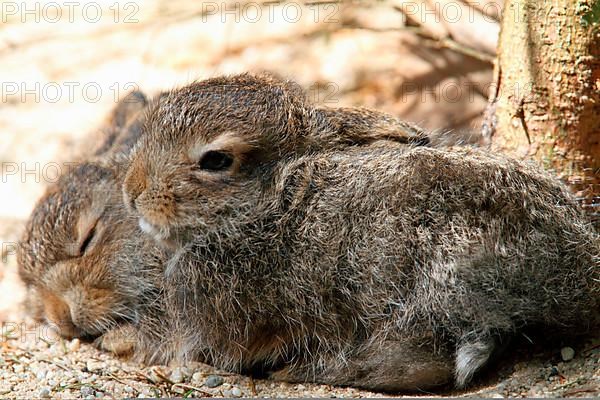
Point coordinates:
[[35, 363], [71, 369]]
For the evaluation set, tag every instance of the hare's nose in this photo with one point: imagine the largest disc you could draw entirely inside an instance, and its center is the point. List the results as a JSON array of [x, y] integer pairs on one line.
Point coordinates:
[[68, 329], [70, 324], [133, 186]]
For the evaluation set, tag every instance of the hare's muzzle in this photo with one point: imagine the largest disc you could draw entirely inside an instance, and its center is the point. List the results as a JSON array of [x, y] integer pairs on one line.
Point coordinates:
[[133, 186], [83, 312], [60, 315], [161, 235]]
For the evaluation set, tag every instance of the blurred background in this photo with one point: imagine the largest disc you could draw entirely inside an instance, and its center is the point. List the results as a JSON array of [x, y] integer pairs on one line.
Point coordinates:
[[65, 64]]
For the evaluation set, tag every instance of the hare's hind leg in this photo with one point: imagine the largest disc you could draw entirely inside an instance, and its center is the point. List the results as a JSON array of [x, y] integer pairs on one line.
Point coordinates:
[[388, 366], [403, 365]]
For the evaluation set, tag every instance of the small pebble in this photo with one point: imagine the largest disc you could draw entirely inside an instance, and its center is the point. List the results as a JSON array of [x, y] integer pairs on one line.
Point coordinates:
[[94, 366], [128, 389], [187, 373], [236, 392], [86, 391], [56, 348], [45, 393], [567, 353], [74, 345], [300, 387], [554, 370], [90, 397], [197, 377], [176, 376], [177, 389], [213, 381]]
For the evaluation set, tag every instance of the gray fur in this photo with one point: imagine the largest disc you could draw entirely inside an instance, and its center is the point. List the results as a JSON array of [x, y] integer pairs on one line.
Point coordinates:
[[114, 289], [351, 262], [470, 357]]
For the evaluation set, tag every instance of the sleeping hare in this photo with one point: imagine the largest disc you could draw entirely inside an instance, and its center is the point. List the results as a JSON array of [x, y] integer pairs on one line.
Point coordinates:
[[382, 266], [91, 271], [87, 268]]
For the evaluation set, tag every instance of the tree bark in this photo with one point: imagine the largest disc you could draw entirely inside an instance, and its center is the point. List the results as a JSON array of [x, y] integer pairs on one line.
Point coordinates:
[[547, 98]]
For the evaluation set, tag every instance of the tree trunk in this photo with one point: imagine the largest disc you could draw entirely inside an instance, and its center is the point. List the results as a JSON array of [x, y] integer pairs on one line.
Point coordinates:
[[548, 89]]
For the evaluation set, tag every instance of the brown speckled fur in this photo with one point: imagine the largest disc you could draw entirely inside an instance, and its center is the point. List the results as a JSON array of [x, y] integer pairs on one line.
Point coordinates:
[[112, 290], [381, 266], [112, 286], [332, 250]]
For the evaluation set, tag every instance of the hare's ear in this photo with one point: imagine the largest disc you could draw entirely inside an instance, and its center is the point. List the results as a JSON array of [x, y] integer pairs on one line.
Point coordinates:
[[116, 125], [341, 127], [127, 109]]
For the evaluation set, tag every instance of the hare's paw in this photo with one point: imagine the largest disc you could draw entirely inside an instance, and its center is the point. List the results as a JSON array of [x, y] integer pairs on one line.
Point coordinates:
[[120, 341]]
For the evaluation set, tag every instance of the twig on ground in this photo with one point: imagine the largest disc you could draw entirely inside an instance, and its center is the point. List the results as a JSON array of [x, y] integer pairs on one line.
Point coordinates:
[[253, 387]]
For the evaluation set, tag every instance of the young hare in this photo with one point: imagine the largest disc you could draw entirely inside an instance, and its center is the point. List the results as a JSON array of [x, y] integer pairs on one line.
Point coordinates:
[[88, 269], [385, 267]]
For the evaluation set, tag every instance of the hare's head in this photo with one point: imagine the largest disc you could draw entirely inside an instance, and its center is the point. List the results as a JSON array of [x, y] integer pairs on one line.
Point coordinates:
[[208, 148], [79, 253]]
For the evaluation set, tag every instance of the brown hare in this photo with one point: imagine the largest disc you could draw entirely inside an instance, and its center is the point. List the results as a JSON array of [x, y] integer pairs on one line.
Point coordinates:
[[88, 269], [84, 261], [384, 266]]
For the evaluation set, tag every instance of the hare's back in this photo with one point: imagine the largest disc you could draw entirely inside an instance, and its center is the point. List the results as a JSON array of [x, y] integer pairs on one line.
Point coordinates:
[[426, 204], [463, 181]]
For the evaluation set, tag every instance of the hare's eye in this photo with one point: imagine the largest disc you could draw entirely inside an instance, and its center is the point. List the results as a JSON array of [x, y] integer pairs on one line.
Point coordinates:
[[215, 161], [88, 239]]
